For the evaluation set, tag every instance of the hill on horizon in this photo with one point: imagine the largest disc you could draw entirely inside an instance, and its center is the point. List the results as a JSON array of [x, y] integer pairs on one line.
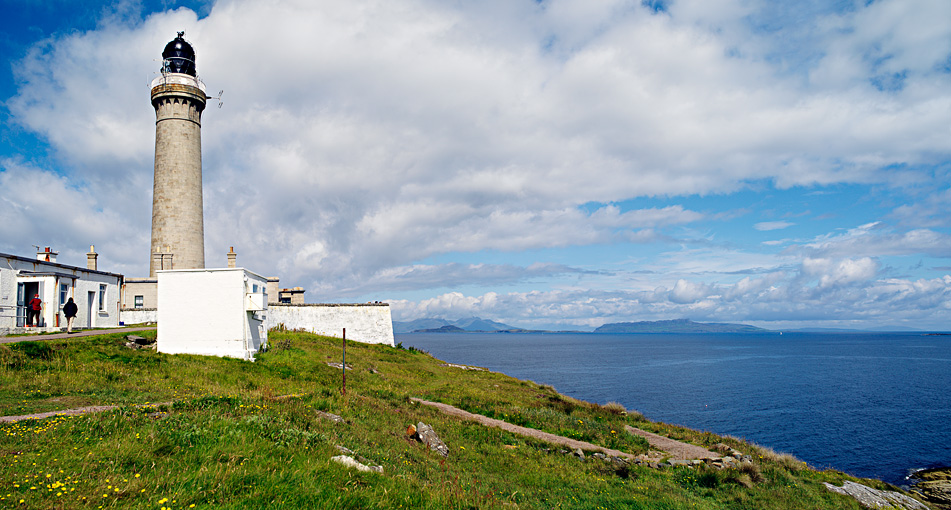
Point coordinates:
[[677, 326], [468, 324]]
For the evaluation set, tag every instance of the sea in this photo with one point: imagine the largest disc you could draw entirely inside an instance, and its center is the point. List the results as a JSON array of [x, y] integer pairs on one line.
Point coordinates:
[[874, 405]]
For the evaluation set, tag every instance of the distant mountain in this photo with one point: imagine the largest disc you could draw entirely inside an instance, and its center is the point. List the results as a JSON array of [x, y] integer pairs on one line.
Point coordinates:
[[677, 326], [448, 328], [468, 324], [418, 324]]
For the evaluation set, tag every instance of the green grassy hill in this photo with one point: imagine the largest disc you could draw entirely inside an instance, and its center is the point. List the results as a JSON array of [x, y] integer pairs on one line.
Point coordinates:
[[248, 435]]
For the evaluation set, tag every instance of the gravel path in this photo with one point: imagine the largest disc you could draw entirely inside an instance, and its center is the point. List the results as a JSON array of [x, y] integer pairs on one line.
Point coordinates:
[[523, 431], [71, 412], [677, 449]]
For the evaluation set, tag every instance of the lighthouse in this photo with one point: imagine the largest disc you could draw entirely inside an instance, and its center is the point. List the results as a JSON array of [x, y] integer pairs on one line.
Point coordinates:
[[178, 96]]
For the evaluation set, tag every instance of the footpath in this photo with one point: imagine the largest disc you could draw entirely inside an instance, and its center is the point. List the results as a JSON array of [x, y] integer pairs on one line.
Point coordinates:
[[58, 336]]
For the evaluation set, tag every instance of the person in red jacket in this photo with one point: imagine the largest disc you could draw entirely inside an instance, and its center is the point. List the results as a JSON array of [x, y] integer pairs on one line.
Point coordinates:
[[33, 310]]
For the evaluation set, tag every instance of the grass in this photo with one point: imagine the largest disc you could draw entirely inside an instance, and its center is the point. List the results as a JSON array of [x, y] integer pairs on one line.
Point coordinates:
[[232, 438]]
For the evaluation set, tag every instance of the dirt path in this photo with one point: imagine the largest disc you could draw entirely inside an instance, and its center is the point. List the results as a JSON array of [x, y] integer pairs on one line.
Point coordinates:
[[58, 336], [71, 412], [677, 449], [523, 431]]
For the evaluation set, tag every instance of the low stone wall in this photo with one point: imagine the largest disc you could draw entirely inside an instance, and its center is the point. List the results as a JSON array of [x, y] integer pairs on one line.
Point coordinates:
[[369, 323], [138, 315]]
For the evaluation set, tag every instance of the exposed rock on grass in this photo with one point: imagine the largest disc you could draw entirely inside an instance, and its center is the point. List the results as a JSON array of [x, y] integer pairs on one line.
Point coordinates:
[[874, 498], [351, 462], [427, 436]]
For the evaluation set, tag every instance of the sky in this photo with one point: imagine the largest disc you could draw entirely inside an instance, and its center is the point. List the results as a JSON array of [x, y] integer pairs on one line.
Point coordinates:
[[554, 164]]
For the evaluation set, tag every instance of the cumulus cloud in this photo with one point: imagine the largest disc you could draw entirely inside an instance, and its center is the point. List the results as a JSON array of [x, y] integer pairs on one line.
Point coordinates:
[[852, 294], [359, 139]]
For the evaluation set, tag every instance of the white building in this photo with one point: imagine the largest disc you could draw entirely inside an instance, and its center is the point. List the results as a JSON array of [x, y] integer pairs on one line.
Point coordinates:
[[95, 292], [216, 312]]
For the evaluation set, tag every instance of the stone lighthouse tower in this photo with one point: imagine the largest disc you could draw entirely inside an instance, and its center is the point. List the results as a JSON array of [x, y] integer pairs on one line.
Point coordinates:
[[178, 96]]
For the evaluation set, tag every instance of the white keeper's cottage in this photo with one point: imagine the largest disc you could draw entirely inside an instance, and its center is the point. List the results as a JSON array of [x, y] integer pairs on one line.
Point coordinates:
[[95, 292]]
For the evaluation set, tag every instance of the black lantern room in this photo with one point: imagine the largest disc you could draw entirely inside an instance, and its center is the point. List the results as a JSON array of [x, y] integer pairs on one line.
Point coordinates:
[[179, 56]]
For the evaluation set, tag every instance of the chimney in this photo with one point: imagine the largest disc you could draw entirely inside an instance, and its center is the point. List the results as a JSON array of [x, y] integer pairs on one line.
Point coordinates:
[[157, 261], [91, 258], [46, 255], [232, 259]]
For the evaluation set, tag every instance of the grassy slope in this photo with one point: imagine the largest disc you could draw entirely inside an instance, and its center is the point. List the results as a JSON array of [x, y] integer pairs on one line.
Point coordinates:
[[228, 441]]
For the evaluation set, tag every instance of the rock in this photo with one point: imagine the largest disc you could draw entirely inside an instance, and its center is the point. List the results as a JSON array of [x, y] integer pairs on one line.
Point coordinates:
[[934, 485], [722, 448], [599, 455], [140, 340], [874, 498], [332, 417], [351, 462], [428, 437], [577, 452]]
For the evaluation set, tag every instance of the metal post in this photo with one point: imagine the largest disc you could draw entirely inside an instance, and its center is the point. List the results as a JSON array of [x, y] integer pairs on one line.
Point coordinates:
[[344, 364]]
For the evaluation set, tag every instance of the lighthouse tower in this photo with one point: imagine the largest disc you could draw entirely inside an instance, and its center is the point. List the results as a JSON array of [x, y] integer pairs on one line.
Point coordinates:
[[178, 96]]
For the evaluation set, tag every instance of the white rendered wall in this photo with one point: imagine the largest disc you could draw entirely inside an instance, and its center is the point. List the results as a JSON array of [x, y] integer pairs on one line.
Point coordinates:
[[205, 311], [369, 323], [138, 315]]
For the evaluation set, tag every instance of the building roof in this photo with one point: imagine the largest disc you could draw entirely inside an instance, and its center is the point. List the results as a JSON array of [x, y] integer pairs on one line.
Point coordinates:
[[57, 264]]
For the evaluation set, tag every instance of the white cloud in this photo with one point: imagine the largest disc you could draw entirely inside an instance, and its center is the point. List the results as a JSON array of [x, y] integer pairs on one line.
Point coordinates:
[[360, 138], [852, 294], [772, 225]]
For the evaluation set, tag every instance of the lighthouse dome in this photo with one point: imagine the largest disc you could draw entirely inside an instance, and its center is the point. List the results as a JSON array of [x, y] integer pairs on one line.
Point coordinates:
[[179, 56]]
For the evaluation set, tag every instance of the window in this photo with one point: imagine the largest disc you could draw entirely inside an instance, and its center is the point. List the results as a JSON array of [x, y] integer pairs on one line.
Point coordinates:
[[63, 293], [102, 297], [139, 301]]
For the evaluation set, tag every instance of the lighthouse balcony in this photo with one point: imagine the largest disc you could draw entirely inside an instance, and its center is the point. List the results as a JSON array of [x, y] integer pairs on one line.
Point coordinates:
[[178, 79]]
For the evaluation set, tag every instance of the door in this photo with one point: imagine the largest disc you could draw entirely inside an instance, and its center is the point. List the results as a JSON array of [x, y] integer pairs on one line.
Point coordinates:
[[21, 305], [91, 305]]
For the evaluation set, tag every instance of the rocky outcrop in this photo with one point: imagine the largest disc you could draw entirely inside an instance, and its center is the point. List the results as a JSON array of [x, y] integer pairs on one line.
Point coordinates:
[[874, 498], [426, 435], [935, 486]]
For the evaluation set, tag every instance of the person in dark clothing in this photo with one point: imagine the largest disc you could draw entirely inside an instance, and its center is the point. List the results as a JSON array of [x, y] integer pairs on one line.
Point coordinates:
[[33, 310], [69, 310]]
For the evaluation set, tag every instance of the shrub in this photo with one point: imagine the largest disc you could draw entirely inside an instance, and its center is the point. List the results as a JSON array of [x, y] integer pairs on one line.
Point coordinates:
[[785, 460], [615, 408]]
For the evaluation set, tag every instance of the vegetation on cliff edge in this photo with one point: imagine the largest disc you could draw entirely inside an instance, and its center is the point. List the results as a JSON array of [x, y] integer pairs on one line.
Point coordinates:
[[247, 435]]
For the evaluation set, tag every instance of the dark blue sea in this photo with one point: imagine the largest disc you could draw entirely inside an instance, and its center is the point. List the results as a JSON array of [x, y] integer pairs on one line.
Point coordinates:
[[872, 405]]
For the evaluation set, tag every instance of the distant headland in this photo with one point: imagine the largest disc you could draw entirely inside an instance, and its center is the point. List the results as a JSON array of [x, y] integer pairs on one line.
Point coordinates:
[[479, 325]]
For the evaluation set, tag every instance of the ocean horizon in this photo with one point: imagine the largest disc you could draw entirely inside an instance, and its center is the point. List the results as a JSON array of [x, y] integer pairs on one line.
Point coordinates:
[[870, 404]]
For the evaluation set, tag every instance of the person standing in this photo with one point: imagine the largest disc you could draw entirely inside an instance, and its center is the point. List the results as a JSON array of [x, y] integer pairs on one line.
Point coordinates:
[[33, 310], [69, 310]]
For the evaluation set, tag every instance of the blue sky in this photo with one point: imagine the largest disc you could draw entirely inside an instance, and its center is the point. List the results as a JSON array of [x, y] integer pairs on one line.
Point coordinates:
[[548, 164]]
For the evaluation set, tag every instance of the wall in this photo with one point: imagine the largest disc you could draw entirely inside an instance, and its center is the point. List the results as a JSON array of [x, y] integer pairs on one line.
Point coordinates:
[[138, 315], [206, 311], [145, 287], [369, 323]]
